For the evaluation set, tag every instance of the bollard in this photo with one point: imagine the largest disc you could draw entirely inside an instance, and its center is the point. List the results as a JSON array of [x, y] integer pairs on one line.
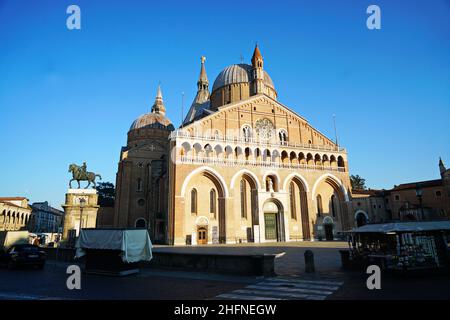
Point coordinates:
[[309, 262]]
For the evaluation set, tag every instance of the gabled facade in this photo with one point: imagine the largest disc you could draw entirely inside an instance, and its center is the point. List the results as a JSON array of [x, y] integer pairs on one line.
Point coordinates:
[[247, 168]]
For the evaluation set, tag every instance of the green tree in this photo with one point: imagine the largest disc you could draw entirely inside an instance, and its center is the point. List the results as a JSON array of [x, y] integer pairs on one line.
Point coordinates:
[[358, 183], [106, 194]]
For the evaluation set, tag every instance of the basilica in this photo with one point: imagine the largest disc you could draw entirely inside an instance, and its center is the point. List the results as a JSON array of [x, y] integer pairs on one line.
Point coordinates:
[[242, 167]]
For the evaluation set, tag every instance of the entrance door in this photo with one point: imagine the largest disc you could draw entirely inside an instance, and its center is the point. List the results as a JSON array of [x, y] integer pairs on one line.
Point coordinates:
[[270, 220], [328, 231], [202, 235]]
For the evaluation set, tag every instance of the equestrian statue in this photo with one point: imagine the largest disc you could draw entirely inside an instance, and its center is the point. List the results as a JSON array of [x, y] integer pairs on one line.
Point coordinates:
[[79, 173]]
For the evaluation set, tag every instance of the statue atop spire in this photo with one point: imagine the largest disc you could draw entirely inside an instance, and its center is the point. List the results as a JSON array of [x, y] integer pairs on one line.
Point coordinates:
[[203, 83], [158, 106], [201, 100]]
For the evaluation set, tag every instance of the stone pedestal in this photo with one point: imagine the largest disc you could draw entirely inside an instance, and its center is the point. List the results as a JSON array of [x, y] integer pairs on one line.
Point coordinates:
[[73, 211]]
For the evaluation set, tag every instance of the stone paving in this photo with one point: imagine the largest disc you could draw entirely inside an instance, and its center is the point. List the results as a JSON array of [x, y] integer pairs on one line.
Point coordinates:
[[326, 255]]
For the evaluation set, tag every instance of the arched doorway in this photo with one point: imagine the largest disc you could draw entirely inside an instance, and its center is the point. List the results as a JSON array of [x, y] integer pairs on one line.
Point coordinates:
[[202, 228], [274, 227], [140, 223], [361, 219], [202, 235], [328, 224]]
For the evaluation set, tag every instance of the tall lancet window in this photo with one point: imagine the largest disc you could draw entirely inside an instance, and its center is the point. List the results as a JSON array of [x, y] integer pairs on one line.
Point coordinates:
[[319, 205], [139, 184], [292, 198], [333, 204], [212, 202], [243, 199], [194, 201]]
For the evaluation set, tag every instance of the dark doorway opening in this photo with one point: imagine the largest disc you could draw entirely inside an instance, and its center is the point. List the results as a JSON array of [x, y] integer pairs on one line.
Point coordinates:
[[328, 231]]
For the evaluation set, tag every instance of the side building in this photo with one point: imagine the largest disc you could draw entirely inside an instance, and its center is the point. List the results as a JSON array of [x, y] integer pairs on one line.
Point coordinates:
[[15, 213], [414, 201], [45, 218]]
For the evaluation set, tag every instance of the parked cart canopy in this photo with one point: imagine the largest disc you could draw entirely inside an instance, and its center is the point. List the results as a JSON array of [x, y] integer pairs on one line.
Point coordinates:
[[135, 245]]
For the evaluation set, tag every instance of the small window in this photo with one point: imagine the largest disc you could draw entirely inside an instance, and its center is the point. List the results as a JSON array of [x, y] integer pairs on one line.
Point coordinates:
[[397, 197], [139, 184], [141, 202], [438, 193]]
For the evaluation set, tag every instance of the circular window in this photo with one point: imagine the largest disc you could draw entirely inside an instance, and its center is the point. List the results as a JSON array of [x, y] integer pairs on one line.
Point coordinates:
[[141, 202], [264, 128]]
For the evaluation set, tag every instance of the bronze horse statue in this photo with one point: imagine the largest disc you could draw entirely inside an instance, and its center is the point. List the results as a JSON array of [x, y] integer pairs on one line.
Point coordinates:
[[79, 174]]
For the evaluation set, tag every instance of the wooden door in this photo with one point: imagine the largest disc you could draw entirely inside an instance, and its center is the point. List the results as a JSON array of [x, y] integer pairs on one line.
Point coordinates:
[[202, 235]]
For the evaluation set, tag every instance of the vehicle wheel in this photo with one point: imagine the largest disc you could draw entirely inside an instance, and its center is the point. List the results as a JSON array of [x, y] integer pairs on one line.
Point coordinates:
[[11, 265]]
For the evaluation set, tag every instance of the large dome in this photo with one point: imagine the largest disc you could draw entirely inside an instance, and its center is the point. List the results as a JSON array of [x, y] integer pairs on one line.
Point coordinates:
[[238, 73], [152, 120]]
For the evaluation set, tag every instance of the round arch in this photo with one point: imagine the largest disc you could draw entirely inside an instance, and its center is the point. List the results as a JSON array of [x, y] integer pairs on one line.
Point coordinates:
[[271, 173], [140, 223], [328, 220], [357, 220], [333, 179], [295, 175], [242, 172], [202, 221], [209, 170]]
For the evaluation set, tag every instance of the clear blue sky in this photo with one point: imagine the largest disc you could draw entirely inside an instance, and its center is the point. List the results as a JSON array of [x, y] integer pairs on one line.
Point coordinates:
[[70, 96]]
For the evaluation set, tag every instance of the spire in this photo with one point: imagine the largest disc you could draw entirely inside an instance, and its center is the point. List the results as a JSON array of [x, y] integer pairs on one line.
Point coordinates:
[[203, 82], [442, 167], [258, 72], [158, 106], [257, 59], [201, 100]]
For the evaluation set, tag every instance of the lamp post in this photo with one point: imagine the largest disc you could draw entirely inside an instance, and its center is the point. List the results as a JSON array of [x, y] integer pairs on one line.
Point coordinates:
[[82, 203], [419, 194]]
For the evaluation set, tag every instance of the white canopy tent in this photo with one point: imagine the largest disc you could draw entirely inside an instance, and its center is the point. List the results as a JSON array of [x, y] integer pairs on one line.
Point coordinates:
[[413, 226], [134, 244]]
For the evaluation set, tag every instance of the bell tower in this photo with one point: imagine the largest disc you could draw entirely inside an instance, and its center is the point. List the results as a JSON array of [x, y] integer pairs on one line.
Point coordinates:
[[258, 72]]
